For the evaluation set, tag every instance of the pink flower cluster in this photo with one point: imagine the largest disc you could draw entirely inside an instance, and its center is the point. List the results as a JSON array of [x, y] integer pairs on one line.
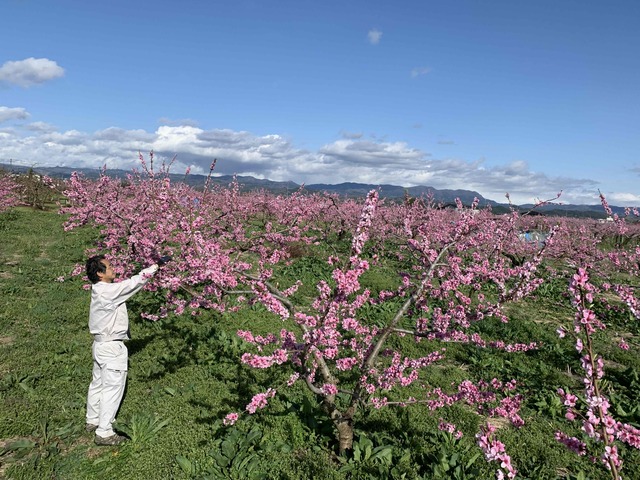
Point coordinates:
[[260, 400], [9, 192], [459, 336], [362, 231], [265, 361], [230, 419], [597, 422], [450, 428], [572, 443], [494, 451]]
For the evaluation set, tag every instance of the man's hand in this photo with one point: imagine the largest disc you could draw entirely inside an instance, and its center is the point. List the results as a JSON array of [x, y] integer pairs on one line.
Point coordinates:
[[164, 260]]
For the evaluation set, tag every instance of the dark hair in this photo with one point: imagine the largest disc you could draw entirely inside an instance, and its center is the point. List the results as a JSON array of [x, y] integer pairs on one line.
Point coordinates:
[[95, 265]]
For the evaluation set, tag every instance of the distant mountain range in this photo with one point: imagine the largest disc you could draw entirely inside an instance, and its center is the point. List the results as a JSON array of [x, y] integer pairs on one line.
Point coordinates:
[[347, 189]]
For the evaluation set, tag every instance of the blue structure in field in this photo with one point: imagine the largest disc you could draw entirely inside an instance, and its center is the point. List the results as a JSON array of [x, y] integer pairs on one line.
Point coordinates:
[[539, 238]]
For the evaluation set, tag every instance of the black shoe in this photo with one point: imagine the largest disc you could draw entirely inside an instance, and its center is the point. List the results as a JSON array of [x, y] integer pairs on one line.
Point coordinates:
[[113, 440], [90, 427]]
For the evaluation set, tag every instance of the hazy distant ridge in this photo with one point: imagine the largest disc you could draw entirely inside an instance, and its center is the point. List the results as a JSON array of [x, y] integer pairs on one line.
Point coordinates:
[[349, 189]]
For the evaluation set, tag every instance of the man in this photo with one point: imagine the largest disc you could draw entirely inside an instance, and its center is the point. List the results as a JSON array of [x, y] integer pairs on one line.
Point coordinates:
[[109, 325]]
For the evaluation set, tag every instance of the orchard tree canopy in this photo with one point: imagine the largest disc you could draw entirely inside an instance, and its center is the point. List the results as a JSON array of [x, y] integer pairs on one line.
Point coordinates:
[[355, 346]]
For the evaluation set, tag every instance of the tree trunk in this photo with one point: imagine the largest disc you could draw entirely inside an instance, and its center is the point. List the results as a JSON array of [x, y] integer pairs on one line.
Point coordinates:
[[342, 422], [345, 433]]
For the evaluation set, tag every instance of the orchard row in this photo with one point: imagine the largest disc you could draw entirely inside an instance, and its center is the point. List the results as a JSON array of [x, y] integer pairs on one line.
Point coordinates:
[[446, 270]]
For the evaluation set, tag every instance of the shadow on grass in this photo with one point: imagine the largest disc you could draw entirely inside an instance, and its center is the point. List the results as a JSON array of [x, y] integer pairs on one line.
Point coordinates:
[[137, 345], [178, 345]]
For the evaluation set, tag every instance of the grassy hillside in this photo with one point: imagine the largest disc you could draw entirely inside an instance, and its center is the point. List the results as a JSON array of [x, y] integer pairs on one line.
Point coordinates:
[[185, 375]]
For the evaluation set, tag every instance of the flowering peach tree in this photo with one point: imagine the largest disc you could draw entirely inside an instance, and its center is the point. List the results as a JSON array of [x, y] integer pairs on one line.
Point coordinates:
[[592, 409], [9, 192]]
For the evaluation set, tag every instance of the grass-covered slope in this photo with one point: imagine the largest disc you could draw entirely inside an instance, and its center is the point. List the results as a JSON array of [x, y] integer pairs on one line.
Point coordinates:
[[185, 375]]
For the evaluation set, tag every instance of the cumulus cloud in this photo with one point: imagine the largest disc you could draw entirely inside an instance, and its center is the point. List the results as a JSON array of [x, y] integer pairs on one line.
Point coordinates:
[[7, 113], [371, 153], [526, 186], [445, 141], [348, 159], [30, 71], [178, 122], [419, 71], [374, 36], [620, 198]]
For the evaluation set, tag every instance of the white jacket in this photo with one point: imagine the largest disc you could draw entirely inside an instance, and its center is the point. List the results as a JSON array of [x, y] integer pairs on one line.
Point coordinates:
[[108, 318]]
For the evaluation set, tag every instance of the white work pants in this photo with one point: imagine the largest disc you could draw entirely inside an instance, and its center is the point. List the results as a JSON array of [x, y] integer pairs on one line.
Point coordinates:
[[109, 377]]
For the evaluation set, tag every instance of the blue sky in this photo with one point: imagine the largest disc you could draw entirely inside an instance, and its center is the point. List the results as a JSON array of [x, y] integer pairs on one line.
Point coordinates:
[[525, 97]]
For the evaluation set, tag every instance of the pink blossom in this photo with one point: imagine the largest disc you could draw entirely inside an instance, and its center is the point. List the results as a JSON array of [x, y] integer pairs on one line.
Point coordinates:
[[378, 403], [293, 378], [450, 428], [10, 192], [329, 389], [346, 363], [572, 443], [494, 451], [260, 400], [230, 419], [568, 399]]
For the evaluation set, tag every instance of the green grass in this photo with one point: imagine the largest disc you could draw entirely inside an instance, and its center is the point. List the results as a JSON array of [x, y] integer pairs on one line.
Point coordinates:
[[185, 375]]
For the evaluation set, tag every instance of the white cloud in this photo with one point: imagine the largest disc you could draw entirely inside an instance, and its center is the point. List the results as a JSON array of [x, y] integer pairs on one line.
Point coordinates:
[[419, 71], [42, 127], [621, 198], [371, 153], [7, 113], [348, 159], [374, 36], [30, 71]]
